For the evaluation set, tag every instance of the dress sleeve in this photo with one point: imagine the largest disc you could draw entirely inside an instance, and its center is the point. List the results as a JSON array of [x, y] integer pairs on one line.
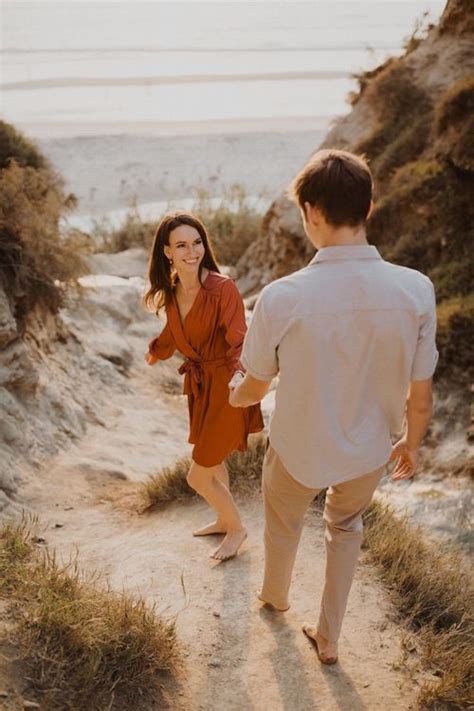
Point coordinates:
[[163, 346], [232, 319]]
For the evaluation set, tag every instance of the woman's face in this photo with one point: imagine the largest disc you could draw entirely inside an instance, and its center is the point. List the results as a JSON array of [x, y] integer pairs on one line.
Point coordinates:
[[185, 248]]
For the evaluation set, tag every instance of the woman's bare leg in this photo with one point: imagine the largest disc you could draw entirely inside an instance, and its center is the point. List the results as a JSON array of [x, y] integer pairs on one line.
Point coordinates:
[[219, 525], [209, 483]]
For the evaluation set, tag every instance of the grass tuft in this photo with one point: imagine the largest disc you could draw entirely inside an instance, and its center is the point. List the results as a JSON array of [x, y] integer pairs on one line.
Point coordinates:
[[433, 590], [83, 646], [170, 484]]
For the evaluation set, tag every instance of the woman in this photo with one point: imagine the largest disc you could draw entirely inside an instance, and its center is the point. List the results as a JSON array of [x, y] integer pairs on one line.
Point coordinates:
[[206, 323]]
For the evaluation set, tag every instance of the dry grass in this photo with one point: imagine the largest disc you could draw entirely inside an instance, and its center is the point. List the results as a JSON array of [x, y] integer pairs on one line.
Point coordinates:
[[133, 232], [231, 222], [14, 144], [83, 646], [170, 484], [433, 591]]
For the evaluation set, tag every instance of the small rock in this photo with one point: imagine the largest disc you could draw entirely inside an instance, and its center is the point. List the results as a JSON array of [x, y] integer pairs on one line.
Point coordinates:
[[214, 664], [68, 508], [216, 614], [58, 525], [38, 539], [365, 686], [4, 694], [30, 705]]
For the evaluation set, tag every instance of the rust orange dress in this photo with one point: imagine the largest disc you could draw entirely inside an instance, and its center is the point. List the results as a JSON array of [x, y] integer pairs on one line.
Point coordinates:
[[210, 339]]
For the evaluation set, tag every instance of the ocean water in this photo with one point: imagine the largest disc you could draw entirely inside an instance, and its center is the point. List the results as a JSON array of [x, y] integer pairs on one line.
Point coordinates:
[[76, 66]]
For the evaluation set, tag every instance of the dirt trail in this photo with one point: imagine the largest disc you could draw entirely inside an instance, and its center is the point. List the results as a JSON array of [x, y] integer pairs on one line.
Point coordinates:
[[238, 655]]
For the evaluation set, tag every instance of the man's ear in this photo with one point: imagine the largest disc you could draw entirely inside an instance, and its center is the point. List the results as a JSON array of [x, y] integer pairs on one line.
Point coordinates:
[[313, 214], [371, 209]]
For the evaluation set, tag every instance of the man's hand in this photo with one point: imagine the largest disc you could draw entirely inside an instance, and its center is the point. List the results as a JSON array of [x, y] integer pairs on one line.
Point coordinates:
[[150, 359], [407, 460], [247, 391]]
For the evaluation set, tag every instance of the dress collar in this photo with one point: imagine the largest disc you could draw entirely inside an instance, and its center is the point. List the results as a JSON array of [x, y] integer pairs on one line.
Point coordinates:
[[354, 251]]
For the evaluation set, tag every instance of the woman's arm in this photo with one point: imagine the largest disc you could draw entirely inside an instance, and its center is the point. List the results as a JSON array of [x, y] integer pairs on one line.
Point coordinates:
[[232, 319], [161, 347]]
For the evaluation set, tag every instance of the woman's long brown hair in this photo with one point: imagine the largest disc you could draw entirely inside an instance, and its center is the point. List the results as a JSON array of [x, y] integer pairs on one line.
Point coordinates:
[[160, 273]]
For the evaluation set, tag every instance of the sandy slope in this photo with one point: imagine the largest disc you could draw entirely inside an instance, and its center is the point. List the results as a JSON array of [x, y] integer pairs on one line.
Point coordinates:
[[238, 655]]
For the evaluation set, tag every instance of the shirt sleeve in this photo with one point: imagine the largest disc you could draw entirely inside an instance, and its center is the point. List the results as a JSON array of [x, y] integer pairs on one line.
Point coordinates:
[[163, 346], [426, 354], [260, 352], [232, 319]]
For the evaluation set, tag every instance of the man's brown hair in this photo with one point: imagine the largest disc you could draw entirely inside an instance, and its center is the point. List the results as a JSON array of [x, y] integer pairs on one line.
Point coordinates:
[[337, 182]]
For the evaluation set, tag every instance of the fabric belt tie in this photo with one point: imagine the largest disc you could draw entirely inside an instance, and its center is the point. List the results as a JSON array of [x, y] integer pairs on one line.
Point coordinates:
[[193, 372]]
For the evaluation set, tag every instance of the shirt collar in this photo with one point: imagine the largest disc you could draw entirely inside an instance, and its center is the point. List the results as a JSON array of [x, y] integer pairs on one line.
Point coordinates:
[[347, 252]]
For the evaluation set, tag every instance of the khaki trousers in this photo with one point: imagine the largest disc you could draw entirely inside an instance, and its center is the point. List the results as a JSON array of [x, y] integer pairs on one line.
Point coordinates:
[[286, 502]]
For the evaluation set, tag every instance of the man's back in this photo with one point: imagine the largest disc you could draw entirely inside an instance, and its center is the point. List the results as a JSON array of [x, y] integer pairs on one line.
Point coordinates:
[[348, 333]]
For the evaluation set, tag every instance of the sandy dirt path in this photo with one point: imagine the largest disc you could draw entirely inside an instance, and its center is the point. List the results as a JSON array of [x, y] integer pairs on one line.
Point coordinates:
[[238, 655]]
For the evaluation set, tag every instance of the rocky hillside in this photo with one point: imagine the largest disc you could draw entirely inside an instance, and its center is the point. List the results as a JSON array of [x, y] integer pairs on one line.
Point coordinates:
[[66, 341], [413, 117]]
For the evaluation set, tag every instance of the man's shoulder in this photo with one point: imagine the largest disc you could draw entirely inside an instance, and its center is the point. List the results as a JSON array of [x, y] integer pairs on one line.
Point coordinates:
[[410, 278], [281, 293]]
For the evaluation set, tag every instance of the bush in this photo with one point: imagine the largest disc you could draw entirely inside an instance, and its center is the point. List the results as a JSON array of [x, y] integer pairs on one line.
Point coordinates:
[[35, 259], [455, 124], [13, 145], [455, 340]]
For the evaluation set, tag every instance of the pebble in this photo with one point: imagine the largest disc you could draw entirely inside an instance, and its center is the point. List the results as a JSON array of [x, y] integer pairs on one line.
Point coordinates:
[[30, 705], [58, 525], [39, 539], [214, 664], [4, 694], [216, 614]]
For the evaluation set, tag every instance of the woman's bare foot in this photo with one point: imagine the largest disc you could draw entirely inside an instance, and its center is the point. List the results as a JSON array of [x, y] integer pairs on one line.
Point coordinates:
[[327, 651], [274, 607], [230, 545], [211, 529]]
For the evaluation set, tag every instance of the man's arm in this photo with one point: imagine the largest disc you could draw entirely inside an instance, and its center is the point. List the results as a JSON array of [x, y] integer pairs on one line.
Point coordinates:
[[249, 391], [418, 417]]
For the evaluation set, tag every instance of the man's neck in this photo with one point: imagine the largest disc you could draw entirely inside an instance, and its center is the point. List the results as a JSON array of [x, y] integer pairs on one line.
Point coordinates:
[[342, 237]]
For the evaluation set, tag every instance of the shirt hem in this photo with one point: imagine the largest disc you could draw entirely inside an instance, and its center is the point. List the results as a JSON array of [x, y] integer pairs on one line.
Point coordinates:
[[323, 483]]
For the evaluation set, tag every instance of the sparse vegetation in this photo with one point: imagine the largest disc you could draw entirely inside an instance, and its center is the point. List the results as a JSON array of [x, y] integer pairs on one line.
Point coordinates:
[[455, 340], [231, 222], [83, 645], [170, 484], [430, 586], [433, 591]]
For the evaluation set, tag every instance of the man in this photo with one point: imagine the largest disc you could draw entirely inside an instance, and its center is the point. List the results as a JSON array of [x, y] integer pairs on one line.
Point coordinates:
[[349, 335]]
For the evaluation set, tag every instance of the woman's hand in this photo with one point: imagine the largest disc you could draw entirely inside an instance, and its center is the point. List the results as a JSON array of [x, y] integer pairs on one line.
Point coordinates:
[[407, 460], [150, 359]]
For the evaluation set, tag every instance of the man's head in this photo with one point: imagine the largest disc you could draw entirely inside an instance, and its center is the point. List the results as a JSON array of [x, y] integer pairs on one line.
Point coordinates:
[[334, 194]]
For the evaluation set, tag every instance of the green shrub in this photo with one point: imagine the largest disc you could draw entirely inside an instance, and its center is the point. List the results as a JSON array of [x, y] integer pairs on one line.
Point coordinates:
[[35, 258]]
